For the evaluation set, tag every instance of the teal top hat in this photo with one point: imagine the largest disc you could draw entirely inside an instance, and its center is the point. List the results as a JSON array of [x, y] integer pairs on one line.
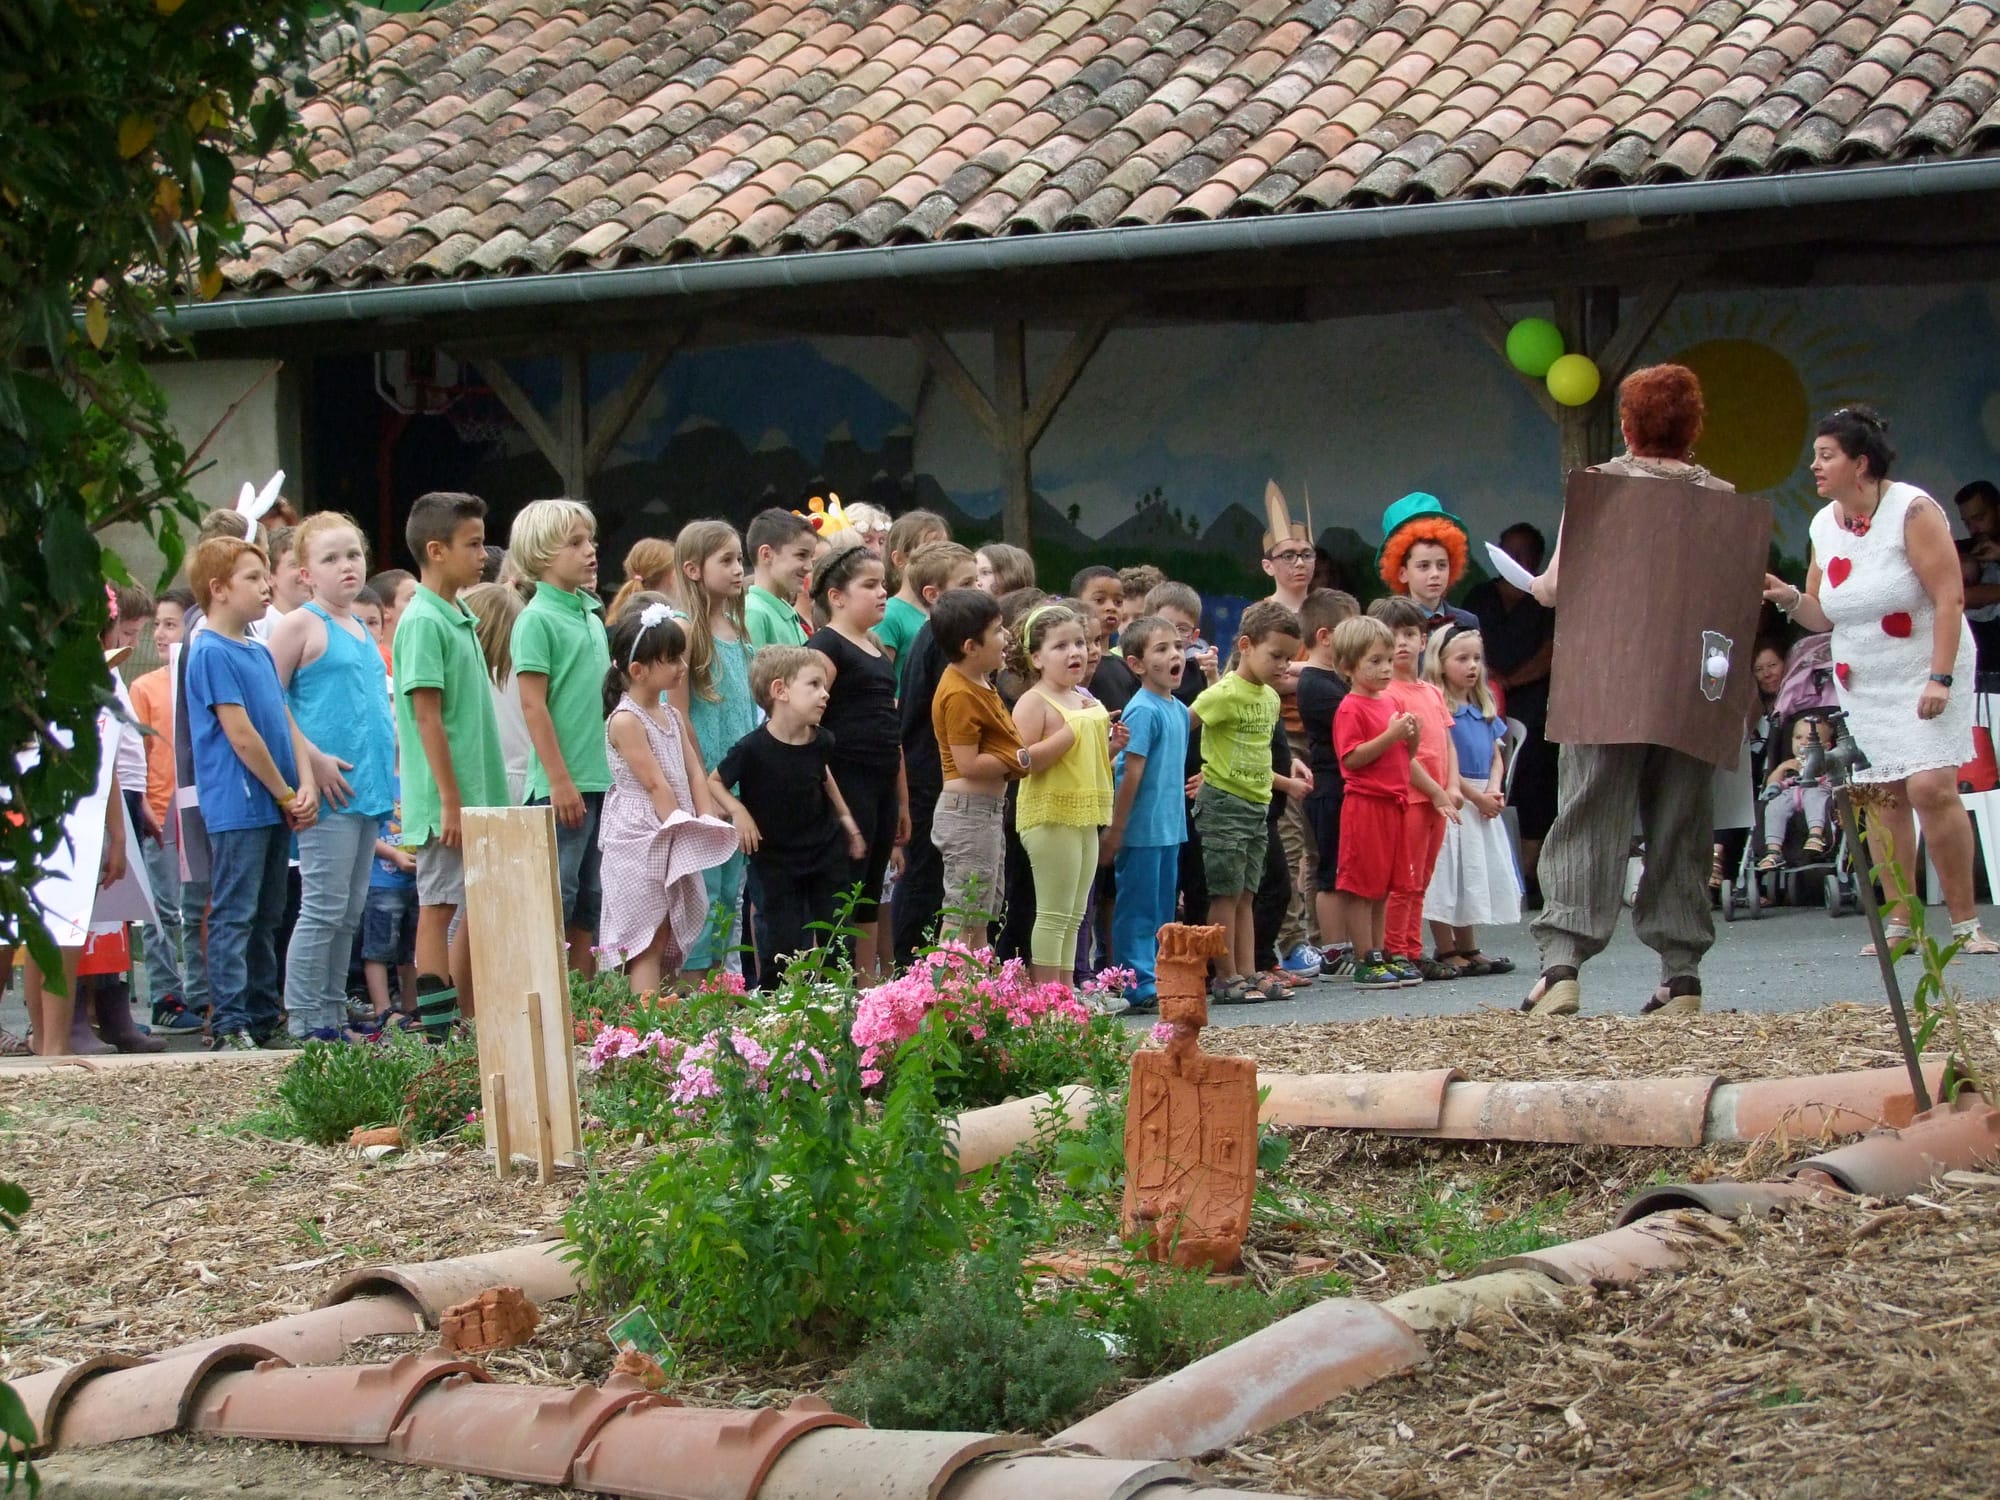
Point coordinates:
[[1416, 506]]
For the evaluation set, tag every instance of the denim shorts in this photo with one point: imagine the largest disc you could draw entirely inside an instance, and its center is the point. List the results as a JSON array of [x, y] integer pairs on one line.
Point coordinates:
[[389, 925], [1234, 834], [578, 865]]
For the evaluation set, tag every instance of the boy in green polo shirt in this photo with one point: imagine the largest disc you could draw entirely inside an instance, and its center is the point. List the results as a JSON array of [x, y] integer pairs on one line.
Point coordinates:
[[780, 545], [1237, 715], [448, 739], [560, 659]]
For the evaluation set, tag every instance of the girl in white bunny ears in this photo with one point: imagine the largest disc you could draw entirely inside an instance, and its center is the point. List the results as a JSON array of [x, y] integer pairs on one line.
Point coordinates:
[[659, 831]]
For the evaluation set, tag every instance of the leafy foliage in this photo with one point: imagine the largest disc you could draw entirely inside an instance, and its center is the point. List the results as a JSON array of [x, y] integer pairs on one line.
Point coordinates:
[[973, 1353], [788, 1215], [123, 128], [334, 1088], [1174, 1318], [17, 1432], [1935, 1004], [1455, 1228]]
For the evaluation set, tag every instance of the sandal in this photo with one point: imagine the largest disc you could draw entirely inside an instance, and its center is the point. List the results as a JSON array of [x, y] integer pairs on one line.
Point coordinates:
[[1279, 976], [1436, 971], [1274, 986], [1815, 844], [1560, 993], [1895, 932], [1233, 992], [1465, 965], [1478, 963], [13, 1046], [1772, 862], [1973, 939], [1680, 996], [1715, 870]]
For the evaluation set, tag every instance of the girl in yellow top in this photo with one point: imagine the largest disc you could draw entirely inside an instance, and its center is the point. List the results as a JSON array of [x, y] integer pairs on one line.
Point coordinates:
[[1066, 797]]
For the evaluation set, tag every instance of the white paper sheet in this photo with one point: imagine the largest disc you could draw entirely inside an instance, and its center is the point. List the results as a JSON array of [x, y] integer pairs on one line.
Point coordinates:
[[1507, 568]]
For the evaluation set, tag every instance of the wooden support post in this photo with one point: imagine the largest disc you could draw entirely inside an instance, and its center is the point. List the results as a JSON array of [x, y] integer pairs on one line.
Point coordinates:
[[620, 410], [572, 418], [538, 1056], [1010, 405], [496, 1127], [1013, 419]]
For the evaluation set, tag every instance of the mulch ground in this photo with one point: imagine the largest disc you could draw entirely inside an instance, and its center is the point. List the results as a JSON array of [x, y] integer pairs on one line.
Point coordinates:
[[1839, 1352]]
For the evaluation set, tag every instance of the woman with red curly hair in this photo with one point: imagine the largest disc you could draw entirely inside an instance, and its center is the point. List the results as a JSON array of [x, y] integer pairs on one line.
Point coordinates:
[[1598, 787], [1423, 555]]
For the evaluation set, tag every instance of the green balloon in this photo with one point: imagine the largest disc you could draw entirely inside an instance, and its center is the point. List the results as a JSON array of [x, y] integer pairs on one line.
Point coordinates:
[[1533, 344]]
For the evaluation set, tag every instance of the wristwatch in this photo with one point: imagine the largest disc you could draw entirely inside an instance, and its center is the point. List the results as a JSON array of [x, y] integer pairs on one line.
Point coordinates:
[[1024, 760], [1942, 679]]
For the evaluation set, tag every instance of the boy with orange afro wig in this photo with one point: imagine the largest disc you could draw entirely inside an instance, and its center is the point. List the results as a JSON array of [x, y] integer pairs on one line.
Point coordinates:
[[1423, 555]]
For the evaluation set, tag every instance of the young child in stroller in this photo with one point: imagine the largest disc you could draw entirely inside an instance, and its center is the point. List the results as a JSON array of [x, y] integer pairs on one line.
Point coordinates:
[[1789, 798]]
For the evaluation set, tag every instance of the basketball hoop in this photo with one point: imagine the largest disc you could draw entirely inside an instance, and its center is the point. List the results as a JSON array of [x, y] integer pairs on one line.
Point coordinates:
[[478, 417], [417, 382]]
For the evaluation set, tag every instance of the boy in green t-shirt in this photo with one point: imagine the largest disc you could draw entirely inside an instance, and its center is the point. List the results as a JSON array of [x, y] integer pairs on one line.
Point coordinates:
[[1237, 716], [448, 738], [560, 661], [780, 545]]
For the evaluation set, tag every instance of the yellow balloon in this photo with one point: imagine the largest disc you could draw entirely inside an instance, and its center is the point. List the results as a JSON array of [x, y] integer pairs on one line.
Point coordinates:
[[1573, 379]]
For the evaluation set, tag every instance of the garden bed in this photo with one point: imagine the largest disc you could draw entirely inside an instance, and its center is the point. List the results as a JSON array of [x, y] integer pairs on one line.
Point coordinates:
[[163, 1215]]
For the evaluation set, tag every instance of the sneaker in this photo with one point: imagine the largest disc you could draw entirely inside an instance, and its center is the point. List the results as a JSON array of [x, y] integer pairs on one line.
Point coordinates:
[[1304, 962], [1337, 963], [361, 1012], [1374, 976], [318, 1034], [236, 1041], [284, 1041], [170, 1014], [1408, 975], [1150, 1006]]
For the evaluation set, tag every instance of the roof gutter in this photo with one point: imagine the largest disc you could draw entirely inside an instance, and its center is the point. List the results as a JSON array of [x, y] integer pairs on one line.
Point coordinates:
[[1125, 244]]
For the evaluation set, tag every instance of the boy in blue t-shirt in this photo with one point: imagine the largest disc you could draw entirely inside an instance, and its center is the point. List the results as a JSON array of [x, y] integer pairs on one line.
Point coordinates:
[[255, 785], [1149, 814], [389, 922]]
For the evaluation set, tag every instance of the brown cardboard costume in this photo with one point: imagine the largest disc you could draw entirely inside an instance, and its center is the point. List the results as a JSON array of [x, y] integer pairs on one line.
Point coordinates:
[[1656, 611], [1660, 577]]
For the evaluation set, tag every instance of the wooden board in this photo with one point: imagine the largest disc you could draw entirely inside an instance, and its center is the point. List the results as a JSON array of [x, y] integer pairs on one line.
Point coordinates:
[[520, 983], [1649, 565]]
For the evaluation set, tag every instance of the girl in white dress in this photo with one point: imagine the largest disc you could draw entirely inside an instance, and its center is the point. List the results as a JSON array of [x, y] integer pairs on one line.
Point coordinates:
[[1476, 882], [1884, 578]]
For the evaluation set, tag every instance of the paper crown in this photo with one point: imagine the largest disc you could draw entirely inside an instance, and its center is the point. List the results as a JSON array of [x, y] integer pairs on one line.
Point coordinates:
[[825, 515], [1414, 518], [1278, 523]]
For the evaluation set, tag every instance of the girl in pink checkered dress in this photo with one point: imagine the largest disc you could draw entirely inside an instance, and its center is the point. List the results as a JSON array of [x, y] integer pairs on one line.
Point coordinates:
[[659, 831]]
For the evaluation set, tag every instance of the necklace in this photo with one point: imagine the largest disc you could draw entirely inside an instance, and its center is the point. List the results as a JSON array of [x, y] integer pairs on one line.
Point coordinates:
[[1666, 468], [1858, 525]]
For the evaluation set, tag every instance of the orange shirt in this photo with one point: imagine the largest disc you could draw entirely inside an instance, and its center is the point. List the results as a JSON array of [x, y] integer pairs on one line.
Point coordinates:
[[153, 700], [1433, 722]]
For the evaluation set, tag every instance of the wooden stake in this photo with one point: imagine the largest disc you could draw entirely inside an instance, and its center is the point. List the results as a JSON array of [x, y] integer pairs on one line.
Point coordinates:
[[538, 1054], [496, 1126]]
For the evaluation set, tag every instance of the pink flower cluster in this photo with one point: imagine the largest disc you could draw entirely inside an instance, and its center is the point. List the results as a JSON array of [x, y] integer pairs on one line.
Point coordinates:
[[970, 988], [691, 1065]]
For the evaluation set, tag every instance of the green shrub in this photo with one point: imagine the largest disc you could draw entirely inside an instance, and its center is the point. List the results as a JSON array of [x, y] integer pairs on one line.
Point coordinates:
[[973, 1354], [795, 1218], [334, 1088], [1174, 1318]]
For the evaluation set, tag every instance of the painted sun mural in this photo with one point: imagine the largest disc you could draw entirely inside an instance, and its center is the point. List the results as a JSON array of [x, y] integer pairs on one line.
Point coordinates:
[[1769, 370]]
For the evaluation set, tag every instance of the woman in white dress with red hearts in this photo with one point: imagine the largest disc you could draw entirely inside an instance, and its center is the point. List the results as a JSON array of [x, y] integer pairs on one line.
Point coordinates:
[[1884, 578]]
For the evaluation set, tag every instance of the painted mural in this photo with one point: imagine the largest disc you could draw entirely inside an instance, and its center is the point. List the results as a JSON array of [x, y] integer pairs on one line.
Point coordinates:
[[1163, 447]]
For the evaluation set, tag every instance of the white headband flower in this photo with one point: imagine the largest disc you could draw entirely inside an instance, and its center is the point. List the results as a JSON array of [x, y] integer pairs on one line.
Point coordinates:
[[652, 615]]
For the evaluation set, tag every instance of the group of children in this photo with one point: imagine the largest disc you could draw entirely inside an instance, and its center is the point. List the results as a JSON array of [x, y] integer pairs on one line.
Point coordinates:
[[762, 727]]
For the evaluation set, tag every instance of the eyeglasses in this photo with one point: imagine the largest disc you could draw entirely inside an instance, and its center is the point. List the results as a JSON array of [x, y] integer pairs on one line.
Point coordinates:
[[1291, 558]]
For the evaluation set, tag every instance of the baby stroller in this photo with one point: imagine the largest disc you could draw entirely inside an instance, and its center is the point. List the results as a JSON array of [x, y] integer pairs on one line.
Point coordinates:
[[1807, 686]]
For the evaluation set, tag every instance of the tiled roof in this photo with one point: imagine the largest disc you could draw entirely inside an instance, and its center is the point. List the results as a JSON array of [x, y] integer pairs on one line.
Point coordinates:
[[524, 136]]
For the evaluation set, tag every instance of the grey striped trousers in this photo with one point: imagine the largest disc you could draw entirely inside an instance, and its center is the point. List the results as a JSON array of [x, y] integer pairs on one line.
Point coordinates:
[[1600, 789]]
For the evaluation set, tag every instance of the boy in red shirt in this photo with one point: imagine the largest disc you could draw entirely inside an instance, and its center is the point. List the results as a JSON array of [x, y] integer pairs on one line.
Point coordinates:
[[1432, 796], [1373, 742]]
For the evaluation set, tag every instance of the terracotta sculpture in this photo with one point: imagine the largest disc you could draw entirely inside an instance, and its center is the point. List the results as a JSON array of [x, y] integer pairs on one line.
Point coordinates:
[[1190, 1124]]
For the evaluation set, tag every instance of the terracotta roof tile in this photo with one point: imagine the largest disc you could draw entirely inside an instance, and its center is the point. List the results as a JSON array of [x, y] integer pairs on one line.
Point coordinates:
[[515, 136]]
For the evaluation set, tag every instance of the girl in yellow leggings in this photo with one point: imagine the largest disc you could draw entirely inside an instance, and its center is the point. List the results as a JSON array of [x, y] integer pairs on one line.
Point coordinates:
[[1064, 801]]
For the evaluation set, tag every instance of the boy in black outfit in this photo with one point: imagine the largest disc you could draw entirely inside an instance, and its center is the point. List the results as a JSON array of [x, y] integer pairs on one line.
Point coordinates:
[[778, 772], [1320, 690]]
